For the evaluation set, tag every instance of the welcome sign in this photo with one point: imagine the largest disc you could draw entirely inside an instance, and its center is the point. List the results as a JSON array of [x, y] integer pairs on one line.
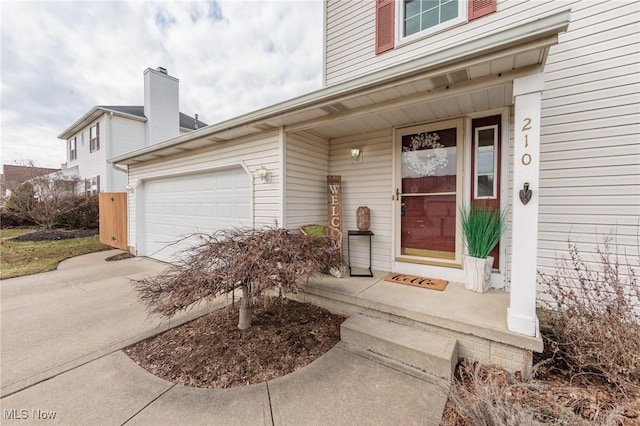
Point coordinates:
[[334, 203]]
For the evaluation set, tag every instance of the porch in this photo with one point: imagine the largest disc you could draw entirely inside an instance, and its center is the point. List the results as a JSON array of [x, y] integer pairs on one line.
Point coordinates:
[[478, 322]]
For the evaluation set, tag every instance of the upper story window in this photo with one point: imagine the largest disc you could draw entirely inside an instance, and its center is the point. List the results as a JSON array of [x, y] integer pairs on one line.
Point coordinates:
[[420, 17], [94, 137], [73, 148], [401, 21]]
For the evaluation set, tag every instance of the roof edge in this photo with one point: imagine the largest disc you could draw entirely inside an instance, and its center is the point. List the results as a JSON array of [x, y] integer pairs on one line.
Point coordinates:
[[536, 28], [91, 115]]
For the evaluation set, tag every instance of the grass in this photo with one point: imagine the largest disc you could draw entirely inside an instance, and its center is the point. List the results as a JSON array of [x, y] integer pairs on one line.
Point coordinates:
[[14, 232], [26, 258]]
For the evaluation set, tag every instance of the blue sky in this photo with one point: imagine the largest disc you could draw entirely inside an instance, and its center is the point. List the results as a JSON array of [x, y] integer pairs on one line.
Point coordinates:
[[59, 59]]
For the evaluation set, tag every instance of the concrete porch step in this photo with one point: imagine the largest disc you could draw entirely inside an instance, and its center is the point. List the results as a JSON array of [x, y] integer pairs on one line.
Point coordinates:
[[408, 346]]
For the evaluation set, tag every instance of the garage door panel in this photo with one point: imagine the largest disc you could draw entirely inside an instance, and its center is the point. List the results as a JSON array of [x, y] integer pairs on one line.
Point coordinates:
[[178, 206]]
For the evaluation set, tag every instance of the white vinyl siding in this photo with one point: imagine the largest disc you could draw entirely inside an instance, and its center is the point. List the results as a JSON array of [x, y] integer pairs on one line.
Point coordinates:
[[125, 135], [350, 35], [307, 160], [91, 164], [590, 157], [253, 152], [367, 182]]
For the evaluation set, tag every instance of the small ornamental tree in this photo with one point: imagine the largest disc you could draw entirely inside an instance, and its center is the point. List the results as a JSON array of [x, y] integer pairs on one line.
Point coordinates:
[[251, 260], [44, 198]]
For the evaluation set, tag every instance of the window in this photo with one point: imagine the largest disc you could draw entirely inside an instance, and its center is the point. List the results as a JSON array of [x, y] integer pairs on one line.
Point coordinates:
[[92, 185], [486, 162], [73, 149], [94, 137], [400, 21], [420, 17]]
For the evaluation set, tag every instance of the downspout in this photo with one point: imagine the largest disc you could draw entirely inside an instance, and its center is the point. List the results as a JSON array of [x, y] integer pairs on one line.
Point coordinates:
[[108, 182]]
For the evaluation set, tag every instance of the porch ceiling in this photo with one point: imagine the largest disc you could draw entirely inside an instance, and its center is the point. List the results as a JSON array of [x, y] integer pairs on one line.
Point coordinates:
[[475, 76]]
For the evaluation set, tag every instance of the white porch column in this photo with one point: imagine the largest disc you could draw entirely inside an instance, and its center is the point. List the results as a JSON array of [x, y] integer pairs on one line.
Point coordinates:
[[521, 315]]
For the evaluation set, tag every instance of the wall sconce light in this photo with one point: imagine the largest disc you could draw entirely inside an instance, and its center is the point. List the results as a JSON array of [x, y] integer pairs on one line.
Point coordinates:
[[129, 188], [356, 154], [265, 175]]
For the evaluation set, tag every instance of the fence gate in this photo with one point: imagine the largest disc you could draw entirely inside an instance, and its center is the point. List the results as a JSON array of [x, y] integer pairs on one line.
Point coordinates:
[[113, 219]]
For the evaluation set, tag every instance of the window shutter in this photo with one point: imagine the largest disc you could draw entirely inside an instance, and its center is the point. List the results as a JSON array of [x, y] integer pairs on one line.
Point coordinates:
[[384, 25], [478, 8], [97, 183]]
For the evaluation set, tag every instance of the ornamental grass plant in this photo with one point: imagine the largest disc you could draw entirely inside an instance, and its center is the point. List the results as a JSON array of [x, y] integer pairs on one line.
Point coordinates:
[[483, 226]]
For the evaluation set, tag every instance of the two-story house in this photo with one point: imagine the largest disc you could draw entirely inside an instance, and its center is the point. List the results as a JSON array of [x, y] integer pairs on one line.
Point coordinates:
[[113, 130], [426, 107]]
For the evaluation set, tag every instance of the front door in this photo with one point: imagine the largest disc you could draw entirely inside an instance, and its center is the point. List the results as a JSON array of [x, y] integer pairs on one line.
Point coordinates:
[[429, 193]]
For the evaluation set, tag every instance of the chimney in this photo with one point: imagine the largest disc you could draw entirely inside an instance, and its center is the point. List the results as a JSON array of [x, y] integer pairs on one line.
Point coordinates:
[[195, 122], [161, 101]]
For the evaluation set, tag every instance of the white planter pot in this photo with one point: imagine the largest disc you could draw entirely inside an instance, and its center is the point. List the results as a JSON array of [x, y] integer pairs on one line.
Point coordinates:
[[477, 273]]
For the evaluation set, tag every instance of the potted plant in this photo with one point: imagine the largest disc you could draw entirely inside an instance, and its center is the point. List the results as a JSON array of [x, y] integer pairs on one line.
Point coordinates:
[[482, 226]]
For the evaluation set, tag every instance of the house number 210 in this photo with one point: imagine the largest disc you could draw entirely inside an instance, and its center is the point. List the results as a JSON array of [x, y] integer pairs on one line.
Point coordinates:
[[526, 157]]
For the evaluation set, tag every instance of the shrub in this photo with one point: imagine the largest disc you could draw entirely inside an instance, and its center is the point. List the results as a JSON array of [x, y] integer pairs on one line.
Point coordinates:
[[251, 260], [488, 395], [593, 315], [79, 212], [10, 219]]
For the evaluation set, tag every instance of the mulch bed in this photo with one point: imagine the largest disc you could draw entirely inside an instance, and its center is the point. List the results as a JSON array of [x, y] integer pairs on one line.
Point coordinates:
[[120, 256], [551, 390], [57, 234], [211, 352]]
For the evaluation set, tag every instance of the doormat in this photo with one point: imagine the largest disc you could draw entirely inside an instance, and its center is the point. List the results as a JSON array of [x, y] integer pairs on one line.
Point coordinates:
[[415, 281]]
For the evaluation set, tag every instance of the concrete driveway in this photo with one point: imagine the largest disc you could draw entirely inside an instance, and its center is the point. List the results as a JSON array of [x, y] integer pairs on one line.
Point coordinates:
[[55, 321], [61, 363]]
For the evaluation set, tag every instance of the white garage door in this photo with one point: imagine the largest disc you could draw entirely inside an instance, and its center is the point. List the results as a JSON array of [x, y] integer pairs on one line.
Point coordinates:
[[178, 206]]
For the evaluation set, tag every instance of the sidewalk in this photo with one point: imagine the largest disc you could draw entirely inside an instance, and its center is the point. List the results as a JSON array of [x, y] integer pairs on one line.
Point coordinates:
[[62, 361], [340, 388]]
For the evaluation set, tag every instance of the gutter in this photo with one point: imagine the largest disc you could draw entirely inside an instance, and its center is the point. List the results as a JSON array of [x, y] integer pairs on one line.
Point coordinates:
[[90, 116]]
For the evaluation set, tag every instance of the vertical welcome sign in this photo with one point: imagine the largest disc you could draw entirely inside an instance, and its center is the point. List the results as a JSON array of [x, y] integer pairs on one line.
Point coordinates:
[[334, 205]]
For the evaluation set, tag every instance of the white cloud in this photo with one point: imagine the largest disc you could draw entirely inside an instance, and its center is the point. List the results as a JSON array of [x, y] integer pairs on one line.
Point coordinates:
[[59, 59]]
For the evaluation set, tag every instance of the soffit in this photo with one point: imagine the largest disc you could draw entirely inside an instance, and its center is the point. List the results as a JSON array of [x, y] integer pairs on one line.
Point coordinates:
[[395, 96]]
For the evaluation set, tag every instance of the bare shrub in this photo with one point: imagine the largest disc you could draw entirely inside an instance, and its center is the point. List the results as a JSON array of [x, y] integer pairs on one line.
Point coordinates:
[[593, 316], [252, 260], [43, 198], [489, 395], [80, 211], [481, 396]]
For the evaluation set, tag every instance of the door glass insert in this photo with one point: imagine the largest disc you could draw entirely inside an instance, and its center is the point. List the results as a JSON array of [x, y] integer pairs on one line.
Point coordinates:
[[428, 211]]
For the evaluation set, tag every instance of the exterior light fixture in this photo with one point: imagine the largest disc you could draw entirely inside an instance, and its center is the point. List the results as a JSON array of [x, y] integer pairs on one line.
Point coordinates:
[[355, 154], [129, 188], [265, 176]]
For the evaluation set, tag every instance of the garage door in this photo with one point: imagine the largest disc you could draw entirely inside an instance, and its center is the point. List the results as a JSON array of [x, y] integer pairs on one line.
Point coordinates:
[[178, 206]]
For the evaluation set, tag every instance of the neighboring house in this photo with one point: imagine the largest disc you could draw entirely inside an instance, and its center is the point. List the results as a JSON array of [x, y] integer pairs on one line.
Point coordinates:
[[109, 131], [14, 176], [446, 106]]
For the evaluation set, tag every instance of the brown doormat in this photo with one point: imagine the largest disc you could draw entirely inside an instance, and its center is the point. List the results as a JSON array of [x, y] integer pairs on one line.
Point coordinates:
[[416, 281]]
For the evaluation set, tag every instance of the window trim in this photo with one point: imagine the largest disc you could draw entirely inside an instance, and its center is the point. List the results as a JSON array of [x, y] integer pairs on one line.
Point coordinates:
[[476, 149], [94, 142], [73, 148], [463, 9]]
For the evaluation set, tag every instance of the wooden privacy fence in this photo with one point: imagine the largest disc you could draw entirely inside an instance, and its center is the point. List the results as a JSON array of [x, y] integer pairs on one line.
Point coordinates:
[[113, 219]]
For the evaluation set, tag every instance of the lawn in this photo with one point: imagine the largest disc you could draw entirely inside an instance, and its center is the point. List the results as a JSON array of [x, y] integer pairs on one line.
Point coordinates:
[[33, 257], [11, 233]]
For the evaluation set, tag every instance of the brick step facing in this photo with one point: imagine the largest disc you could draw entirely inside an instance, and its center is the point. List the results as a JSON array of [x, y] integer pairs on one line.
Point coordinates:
[[408, 347]]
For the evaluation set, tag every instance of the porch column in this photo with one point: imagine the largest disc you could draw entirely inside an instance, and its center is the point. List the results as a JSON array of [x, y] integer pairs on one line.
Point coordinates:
[[521, 315]]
